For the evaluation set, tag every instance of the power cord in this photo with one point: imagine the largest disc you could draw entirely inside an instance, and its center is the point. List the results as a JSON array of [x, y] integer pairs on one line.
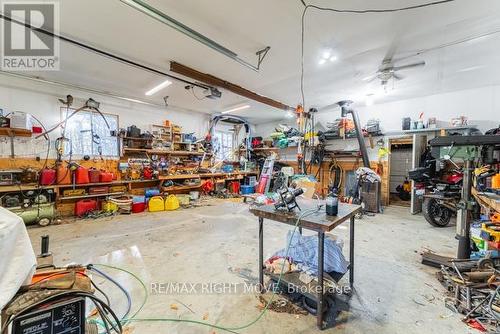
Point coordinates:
[[133, 318]]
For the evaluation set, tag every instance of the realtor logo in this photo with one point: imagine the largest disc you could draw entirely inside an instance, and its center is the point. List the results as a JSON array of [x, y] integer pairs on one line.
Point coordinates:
[[25, 47]]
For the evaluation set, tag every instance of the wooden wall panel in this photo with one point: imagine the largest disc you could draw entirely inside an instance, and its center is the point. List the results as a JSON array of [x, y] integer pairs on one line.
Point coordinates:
[[349, 165]]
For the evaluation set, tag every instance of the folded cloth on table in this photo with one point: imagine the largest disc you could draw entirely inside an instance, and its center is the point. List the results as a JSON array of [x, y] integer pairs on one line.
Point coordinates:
[[304, 252]]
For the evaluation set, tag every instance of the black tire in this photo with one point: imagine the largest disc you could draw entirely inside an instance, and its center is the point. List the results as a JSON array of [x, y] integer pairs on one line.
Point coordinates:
[[436, 214]]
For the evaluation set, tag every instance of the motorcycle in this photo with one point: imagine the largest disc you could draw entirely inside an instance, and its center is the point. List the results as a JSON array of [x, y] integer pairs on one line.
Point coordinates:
[[441, 195]]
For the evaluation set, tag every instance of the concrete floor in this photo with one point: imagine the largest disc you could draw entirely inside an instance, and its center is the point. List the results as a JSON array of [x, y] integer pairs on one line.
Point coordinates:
[[218, 243]]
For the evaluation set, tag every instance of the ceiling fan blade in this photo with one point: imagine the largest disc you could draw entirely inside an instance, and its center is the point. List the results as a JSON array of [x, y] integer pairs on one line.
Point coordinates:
[[405, 67], [389, 55], [370, 77]]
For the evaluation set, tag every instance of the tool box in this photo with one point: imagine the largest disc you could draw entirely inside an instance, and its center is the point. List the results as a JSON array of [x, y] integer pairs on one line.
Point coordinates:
[[73, 192], [117, 189]]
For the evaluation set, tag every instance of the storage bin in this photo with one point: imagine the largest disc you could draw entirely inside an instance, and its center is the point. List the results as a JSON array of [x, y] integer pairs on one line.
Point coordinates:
[[156, 203], [138, 207], [247, 189]]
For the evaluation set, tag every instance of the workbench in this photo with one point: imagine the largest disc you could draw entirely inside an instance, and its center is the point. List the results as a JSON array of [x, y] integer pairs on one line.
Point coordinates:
[[318, 222]]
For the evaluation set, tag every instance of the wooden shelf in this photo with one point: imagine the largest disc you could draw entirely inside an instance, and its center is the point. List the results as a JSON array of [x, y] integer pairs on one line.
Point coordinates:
[[93, 195], [489, 200], [179, 177], [175, 188], [138, 138], [166, 152], [15, 132]]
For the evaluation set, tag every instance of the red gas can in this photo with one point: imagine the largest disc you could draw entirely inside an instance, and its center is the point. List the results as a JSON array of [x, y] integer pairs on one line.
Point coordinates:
[[47, 177], [106, 177], [94, 175], [63, 174], [84, 206], [235, 187], [82, 175]]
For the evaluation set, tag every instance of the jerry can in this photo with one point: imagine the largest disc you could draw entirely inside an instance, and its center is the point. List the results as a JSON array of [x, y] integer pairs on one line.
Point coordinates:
[[156, 204]]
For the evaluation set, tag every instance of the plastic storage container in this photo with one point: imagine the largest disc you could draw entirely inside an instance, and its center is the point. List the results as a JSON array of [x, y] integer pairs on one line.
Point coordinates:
[[156, 203], [138, 207], [247, 189]]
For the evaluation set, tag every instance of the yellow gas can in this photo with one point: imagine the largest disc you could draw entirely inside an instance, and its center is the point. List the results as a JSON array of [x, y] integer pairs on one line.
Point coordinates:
[[156, 203], [171, 203], [109, 206]]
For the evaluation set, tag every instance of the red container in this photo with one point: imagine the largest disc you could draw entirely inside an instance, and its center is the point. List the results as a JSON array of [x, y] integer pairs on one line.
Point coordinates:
[[138, 207], [147, 173], [47, 176], [106, 177], [82, 175], [84, 206], [94, 175], [235, 187], [63, 174]]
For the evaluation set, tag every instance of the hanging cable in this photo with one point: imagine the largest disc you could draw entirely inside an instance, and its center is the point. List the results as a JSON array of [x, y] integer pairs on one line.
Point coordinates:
[[349, 11]]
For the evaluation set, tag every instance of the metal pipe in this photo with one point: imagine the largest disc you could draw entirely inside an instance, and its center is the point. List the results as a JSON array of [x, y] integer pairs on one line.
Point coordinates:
[[463, 216], [93, 91], [344, 105], [182, 28]]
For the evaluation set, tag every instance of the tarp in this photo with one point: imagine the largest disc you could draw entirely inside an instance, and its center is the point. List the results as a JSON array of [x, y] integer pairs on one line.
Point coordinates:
[[17, 258]]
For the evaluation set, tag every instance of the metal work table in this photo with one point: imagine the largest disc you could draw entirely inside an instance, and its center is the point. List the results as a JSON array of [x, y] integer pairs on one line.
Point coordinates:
[[318, 222]]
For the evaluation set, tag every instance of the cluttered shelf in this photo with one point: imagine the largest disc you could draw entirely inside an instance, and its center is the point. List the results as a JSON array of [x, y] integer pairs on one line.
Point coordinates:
[[35, 186], [206, 175], [166, 152], [15, 132], [489, 200], [90, 195]]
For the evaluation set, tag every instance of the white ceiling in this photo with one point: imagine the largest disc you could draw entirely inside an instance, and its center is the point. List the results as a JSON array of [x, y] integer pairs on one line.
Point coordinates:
[[359, 41]]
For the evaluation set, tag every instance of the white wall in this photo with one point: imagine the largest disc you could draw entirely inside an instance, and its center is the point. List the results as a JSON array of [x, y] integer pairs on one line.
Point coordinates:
[[480, 105], [41, 100]]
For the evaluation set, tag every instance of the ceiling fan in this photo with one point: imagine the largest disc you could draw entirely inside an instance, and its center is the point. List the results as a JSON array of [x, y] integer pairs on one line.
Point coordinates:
[[388, 70]]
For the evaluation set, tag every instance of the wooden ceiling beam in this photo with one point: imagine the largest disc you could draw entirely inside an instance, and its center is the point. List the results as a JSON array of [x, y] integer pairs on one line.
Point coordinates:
[[217, 82]]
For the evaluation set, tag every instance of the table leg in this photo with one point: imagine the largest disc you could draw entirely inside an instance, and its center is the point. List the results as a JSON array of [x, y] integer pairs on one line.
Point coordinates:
[[321, 259], [261, 254], [300, 230], [351, 252]]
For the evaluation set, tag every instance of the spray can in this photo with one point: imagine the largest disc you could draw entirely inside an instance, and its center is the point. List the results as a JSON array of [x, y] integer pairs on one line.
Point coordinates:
[[332, 203]]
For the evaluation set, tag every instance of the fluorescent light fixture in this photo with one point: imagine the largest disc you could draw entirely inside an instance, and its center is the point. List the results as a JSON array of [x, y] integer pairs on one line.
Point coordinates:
[[327, 54], [246, 106], [322, 61], [369, 99], [156, 89], [472, 68], [333, 58]]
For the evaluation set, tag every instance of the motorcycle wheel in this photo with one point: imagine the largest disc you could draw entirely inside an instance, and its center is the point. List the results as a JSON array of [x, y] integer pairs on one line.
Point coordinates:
[[436, 214]]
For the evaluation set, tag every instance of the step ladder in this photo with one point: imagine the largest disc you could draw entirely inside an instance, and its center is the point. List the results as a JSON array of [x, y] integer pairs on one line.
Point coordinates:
[[266, 175]]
